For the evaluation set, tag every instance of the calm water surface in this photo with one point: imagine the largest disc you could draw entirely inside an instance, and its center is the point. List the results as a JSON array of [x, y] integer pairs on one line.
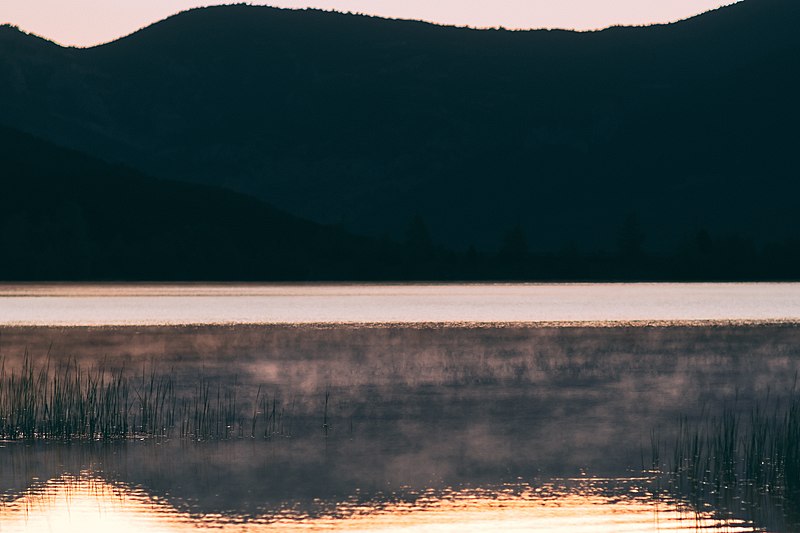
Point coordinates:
[[397, 427], [86, 503], [70, 304]]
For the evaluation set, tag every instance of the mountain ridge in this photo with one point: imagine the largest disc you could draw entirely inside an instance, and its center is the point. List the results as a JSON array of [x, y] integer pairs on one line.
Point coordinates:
[[342, 118], [8, 25]]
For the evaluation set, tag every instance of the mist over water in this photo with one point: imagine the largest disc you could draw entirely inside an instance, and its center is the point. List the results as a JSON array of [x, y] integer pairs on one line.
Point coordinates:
[[419, 419]]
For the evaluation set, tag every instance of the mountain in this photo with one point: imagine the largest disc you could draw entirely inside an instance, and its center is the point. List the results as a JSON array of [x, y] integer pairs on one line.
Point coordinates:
[[367, 122], [69, 216]]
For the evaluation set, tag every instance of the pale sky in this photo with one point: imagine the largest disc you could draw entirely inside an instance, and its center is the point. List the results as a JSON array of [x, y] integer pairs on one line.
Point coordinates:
[[89, 22]]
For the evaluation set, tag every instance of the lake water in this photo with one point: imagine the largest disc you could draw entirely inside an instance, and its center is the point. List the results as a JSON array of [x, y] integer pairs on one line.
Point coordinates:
[[399, 408], [403, 304]]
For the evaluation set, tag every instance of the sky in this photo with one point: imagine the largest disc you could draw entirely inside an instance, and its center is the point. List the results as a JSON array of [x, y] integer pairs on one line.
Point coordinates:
[[90, 22]]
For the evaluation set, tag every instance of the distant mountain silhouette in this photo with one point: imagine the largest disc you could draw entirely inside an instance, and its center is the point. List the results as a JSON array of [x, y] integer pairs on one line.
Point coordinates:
[[69, 216], [372, 123]]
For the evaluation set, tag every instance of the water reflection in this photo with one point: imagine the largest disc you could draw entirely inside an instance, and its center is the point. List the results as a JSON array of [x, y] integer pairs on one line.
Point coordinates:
[[424, 426], [521, 400], [86, 502]]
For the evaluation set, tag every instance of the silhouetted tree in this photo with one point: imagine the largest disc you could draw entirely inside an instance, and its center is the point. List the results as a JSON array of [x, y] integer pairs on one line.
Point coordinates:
[[631, 237], [514, 247], [702, 242], [418, 239], [471, 255]]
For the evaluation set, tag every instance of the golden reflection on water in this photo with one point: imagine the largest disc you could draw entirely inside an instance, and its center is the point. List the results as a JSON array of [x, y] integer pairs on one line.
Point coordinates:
[[87, 503]]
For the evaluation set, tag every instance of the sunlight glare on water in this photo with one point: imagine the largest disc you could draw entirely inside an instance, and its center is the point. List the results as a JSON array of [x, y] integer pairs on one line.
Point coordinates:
[[196, 304], [87, 503]]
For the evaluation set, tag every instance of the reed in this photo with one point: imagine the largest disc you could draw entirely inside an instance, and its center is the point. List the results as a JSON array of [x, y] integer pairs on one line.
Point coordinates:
[[757, 451], [75, 403]]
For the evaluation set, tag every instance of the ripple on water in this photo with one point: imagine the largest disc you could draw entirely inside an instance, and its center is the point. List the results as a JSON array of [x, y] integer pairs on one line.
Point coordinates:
[[87, 502]]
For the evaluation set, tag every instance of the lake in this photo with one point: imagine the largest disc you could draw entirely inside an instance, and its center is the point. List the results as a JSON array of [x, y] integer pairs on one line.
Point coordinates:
[[398, 407], [109, 304]]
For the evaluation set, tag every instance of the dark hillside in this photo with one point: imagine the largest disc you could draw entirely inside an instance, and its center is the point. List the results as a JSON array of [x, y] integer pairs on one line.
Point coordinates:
[[367, 122], [69, 216]]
